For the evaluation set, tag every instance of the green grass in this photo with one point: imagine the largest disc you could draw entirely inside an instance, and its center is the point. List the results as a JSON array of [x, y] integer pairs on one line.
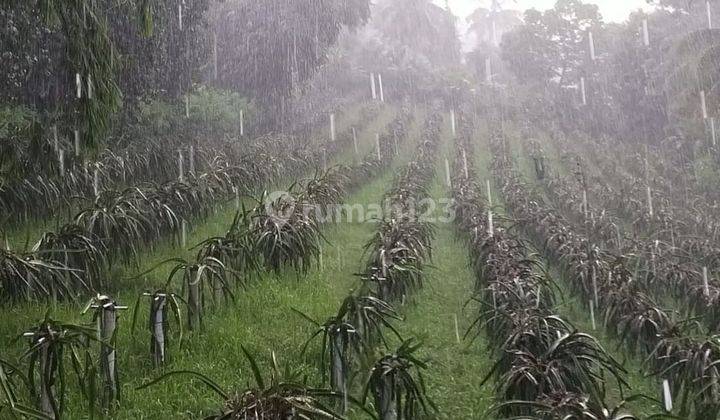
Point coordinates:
[[456, 367], [261, 319]]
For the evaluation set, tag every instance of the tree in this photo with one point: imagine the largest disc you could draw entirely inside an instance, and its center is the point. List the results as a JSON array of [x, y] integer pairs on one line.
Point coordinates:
[[271, 48], [482, 19], [120, 50], [552, 46], [420, 28]]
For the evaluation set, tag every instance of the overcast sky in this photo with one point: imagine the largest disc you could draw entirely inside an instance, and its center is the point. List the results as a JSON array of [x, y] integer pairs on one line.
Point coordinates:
[[612, 10]]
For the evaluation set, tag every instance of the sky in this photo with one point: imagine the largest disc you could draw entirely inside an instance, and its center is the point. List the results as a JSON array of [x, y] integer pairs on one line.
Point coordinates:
[[612, 10]]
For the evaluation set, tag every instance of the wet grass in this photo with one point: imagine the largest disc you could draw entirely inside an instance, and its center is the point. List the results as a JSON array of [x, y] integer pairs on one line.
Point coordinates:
[[456, 366], [261, 319]]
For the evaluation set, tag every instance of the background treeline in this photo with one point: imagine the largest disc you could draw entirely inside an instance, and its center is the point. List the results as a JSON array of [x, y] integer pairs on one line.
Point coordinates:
[[284, 63], [633, 91], [136, 61]]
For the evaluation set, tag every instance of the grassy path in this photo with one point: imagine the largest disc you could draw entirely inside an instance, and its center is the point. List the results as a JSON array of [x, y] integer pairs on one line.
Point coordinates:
[[456, 368]]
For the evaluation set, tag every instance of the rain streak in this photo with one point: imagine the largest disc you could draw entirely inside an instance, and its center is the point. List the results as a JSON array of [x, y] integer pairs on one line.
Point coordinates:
[[360, 209]]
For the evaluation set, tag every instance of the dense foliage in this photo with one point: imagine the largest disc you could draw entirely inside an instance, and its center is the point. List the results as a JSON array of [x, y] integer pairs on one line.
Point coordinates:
[[632, 90]]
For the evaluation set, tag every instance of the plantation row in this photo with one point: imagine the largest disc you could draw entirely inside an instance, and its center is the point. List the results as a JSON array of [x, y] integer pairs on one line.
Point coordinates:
[[118, 223], [542, 366], [669, 259], [396, 258], [677, 260], [293, 241], [545, 368], [295, 397], [678, 190], [685, 363], [156, 161], [274, 236], [655, 200]]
